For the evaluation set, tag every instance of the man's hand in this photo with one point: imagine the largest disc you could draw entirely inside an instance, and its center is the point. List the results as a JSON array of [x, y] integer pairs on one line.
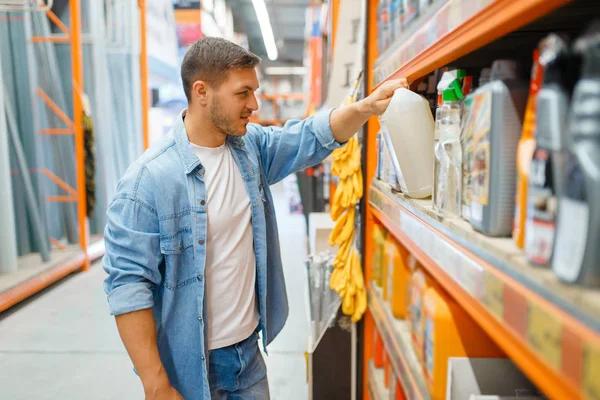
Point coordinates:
[[162, 391], [379, 100], [346, 121]]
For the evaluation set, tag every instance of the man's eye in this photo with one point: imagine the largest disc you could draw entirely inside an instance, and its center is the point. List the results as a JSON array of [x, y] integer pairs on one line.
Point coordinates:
[[244, 93]]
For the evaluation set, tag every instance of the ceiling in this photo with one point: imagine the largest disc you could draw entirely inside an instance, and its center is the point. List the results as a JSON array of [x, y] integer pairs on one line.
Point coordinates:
[[288, 23]]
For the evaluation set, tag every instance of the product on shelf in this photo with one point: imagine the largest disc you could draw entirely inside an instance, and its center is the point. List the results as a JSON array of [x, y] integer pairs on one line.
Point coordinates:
[[393, 175], [449, 332], [466, 142], [383, 24], [419, 283], [450, 174], [548, 165], [576, 252], [395, 19], [379, 236], [396, 289], [410, 12], [450, 81], [411, 142], [498, 109], [525, 151], [423, 6]]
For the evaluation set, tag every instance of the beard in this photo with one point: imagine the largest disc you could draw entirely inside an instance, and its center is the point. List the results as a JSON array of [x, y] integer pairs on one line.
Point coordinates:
[[222, 121]]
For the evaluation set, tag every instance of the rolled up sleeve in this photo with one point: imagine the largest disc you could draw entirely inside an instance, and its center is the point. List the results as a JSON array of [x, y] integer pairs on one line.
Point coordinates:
[[132, 256], [297, 145]]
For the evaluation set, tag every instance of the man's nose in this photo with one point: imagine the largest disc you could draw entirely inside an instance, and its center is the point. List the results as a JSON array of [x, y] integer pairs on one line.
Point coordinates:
[[252, 103]]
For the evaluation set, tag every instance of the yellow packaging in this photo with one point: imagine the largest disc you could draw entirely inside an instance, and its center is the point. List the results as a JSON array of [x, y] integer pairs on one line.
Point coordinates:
[[419, 283], [396, 289], [379, 235], [449, 332]]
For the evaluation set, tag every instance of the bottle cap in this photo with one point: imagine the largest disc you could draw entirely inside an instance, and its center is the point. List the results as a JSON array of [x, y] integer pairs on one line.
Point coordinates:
[[456, 87], [504, 69], [449, 95]]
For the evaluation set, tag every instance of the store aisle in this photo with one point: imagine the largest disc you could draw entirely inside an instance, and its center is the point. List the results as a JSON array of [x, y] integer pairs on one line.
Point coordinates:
[[285, 363], [62, 344]]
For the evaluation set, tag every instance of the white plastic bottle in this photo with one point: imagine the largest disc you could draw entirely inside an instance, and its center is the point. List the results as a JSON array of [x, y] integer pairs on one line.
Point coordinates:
[[409, 124], [450, 179]]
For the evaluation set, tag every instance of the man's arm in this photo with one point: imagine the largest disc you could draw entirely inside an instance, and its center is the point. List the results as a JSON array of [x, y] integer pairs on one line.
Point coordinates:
[[132, 261], [346, 121], [301, 144], [138, 333]]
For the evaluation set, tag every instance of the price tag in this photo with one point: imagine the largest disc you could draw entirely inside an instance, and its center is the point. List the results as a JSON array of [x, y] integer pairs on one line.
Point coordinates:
[[591, 372], [544, 333], [493, 296]]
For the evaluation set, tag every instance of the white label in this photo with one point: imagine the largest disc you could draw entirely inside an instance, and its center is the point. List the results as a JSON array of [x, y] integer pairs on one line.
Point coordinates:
[[540, 239], [476, 211], [573, 219]]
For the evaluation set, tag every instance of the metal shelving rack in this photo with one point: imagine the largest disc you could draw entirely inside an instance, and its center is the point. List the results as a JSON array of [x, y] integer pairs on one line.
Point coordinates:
[[550, 330], [86, 253]]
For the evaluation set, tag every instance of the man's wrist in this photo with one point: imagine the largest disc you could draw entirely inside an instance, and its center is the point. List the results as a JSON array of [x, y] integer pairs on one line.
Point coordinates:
[[155, 380]]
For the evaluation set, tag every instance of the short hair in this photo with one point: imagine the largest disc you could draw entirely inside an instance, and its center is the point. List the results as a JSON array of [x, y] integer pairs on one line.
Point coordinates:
[[210, 59]]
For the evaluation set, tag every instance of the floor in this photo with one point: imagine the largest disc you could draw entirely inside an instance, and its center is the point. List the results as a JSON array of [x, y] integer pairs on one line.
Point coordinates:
[[62, 344]]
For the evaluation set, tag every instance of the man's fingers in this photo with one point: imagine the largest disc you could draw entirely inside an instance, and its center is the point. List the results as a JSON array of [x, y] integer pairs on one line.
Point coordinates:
[[392, 85]]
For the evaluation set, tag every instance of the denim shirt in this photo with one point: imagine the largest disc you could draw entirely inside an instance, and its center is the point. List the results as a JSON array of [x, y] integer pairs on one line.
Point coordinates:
[[155, 237]]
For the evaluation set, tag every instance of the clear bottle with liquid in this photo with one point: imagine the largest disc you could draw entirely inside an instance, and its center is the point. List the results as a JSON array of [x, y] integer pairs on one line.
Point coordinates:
[[450, 175]]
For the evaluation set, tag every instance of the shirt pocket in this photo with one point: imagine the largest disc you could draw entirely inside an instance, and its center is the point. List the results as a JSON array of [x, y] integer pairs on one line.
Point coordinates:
[[178, 251]]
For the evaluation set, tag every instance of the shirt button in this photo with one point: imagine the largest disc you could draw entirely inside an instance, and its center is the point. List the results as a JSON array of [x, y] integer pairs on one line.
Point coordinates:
[[199, 318], [201, 241], [202, 358], [202, 202], [199, 278]]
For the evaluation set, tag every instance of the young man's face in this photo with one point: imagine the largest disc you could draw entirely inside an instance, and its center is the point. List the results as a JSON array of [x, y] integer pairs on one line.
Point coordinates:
[[234, 101]]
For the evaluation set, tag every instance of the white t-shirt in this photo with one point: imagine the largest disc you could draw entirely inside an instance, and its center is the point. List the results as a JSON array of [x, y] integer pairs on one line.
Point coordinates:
[[230, 271]]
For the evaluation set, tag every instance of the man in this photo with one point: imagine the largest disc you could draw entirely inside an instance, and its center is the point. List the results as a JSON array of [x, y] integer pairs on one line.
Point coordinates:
[[192, 250]]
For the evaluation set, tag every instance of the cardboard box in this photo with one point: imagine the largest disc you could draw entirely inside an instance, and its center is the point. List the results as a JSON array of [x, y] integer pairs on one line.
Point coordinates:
[[495, 377], [320, 226]]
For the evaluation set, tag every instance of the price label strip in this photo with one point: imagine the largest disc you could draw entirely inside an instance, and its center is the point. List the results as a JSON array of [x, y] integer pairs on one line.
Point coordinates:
[[544, 333], [591, 372], [493, 295]]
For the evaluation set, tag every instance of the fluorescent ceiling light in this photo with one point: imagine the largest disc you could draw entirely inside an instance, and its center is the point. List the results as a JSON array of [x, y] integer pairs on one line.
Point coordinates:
[[285, 71], [265, 28]]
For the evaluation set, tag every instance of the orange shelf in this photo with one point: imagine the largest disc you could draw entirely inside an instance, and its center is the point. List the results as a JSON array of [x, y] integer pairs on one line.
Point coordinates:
[[454, 29], [549, 329], [46, 278]]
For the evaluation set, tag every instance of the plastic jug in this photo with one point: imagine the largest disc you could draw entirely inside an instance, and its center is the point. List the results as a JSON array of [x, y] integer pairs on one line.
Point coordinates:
[[449, 332], [409, 124], [498, 108], [576, 251]]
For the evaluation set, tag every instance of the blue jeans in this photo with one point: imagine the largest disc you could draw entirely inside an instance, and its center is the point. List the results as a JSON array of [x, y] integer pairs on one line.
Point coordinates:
[[238, 372]]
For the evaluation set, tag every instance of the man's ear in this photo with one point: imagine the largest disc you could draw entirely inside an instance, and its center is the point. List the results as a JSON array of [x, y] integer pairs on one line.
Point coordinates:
[[200, 92]]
